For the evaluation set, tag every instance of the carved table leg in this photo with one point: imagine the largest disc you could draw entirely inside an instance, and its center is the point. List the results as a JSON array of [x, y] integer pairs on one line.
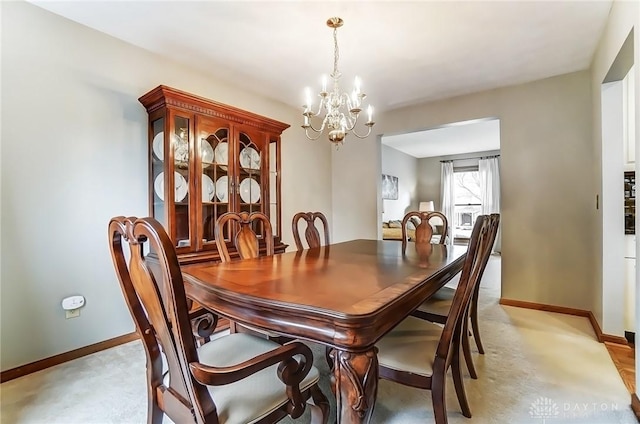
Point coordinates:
[[355, 383]]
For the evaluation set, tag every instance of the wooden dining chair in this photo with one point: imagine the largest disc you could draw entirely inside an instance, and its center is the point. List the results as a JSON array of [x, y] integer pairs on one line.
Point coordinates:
[[419, 353], [246, 245], [311, 233], [210, 383], [245, 238], [424, 228], [436, 308]]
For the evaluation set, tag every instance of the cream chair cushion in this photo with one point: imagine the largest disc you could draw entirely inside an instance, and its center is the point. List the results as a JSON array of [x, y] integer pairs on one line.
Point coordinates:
[[440, 302], [410, 347], [252, 398]]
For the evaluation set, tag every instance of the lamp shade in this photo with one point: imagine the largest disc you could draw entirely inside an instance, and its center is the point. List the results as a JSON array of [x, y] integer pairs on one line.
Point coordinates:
[[426, 206]]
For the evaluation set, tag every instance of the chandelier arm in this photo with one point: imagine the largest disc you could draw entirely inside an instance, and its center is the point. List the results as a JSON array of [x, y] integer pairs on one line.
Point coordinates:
[[306, 130], [316, 130], [354, 132]]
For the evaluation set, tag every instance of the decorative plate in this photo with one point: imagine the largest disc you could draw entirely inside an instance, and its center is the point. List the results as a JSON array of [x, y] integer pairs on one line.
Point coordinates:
[[208, 188], [206, 153], [249, 190], [181, 190], [222, 188], [221, 154], [249, 158], [181, 147]]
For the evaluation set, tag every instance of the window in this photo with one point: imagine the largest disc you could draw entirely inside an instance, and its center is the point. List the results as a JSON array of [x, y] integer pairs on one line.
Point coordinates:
[[468, 203]]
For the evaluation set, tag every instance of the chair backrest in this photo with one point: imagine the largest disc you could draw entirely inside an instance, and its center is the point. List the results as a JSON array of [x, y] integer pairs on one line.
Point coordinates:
[[493, 224], [424, 230], [158, 305], [477, 254], [311, 233], [245, 241]]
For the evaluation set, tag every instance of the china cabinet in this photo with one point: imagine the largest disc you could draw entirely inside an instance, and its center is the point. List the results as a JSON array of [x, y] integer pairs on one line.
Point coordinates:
[[205, 159]]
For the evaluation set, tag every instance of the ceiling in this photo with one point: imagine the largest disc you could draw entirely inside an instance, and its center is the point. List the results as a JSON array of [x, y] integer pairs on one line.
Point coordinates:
[[405, 52], [462, 137]]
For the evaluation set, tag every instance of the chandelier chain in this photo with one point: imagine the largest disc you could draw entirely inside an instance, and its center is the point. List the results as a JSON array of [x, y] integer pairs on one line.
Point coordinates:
[[336, 53]]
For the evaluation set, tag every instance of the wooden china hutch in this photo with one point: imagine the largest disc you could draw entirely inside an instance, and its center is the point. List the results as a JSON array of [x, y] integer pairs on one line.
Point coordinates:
[[205, 159]]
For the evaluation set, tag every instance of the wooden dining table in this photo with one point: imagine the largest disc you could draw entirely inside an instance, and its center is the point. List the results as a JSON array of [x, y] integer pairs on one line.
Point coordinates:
[[345, 296]]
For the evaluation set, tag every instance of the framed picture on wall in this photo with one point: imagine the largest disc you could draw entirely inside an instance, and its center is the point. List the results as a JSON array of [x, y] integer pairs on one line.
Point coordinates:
[[389, 187]]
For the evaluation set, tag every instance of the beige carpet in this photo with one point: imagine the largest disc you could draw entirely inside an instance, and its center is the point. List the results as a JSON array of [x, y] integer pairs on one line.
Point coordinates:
[[539, 368]]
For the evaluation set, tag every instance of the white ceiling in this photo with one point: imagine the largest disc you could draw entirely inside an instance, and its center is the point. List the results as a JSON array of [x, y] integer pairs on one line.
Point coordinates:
[[405, 52], [453, 139]]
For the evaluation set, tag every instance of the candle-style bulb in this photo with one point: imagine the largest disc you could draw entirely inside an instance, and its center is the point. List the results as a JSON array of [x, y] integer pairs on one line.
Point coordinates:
[[324, 83], [370, 113], [307, 98]]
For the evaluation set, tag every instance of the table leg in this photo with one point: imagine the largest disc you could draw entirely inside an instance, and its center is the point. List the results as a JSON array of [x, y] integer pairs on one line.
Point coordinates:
[[355, 383]]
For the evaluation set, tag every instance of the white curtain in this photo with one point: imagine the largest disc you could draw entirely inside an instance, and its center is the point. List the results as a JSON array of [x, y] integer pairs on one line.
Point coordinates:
[[489, 170], [447, 195]]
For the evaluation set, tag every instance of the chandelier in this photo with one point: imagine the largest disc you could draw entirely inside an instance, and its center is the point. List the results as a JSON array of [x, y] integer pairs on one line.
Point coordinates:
[[341, 109]]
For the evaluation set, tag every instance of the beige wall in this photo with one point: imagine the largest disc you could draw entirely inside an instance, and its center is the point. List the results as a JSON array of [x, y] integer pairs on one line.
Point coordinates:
[[548, 194], [74, 154], [403, 166]]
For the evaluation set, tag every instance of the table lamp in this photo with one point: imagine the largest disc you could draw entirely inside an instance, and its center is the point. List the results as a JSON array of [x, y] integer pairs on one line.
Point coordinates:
[[426, 206]]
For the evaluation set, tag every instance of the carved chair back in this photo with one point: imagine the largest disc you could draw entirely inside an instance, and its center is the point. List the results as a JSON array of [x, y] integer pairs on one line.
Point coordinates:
[[246, 241], [158, 304], [311, 233], [424, 230], [477, 254]]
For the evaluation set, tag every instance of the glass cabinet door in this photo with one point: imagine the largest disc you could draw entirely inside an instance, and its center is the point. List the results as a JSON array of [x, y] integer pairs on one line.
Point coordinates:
[[215, 184], [274, 185], [170, 176], [250, 185], [179, 180], [157, 152]]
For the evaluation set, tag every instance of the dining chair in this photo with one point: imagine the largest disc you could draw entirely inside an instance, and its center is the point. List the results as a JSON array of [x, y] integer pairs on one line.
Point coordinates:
[[242, 228], [311, 233], [437, 308], [312, 236], [210, 383], [418, 353], [244, 237], [424, 229]]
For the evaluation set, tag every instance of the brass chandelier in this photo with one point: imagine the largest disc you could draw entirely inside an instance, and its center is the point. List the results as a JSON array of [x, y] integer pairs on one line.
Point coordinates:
[[341, 109]]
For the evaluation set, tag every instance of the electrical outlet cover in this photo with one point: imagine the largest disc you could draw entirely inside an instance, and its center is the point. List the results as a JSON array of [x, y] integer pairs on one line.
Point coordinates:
[[73, 313]]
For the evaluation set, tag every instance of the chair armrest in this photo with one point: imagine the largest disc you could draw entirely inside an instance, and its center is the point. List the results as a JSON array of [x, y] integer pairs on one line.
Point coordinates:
[[203, 321], [290, 371]]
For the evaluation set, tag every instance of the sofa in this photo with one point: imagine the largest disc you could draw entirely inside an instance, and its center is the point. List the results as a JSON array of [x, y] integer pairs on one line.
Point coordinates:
[[392, 230]]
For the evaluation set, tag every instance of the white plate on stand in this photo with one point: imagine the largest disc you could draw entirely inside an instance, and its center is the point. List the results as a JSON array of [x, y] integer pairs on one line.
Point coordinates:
[[249, 190], [206, 153], [222, 189], [250, 158], [208, 188], [178, 144], [221, 154], [181, 190]]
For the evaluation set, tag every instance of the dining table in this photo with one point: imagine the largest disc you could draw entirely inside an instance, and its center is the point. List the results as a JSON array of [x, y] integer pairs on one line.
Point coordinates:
[[345, 295]]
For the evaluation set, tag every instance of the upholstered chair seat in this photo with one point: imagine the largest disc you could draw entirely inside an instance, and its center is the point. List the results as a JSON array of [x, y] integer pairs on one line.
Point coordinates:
[[410, 347], [255, 397], [440, 302]]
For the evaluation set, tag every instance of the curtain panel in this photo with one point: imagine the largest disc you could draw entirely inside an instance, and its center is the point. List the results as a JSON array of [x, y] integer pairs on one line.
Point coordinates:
[[489, 170], [447, 196]]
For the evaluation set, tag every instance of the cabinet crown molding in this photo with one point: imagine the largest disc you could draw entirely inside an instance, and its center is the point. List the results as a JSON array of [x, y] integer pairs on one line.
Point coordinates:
[[164, 96]]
